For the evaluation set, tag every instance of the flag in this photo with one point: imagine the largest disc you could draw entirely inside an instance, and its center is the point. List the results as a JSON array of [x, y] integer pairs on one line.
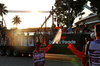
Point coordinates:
[[78, 53], [57, 37]]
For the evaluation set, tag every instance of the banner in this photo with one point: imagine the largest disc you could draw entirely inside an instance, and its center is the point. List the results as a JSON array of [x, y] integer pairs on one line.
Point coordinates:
[[57, 36]]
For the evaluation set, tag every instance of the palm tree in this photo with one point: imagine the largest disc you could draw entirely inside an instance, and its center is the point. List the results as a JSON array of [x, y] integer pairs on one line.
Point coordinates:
[[16, 20], [3, 11]]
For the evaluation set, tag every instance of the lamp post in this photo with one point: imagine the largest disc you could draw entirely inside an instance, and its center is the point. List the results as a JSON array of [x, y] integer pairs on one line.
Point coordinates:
[[52, 16]]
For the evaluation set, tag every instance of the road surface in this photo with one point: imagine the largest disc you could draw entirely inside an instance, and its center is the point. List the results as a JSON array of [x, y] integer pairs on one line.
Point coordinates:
[[27, 61]]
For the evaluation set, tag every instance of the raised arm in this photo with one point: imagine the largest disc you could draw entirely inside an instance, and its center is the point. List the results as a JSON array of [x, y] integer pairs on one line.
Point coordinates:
[[78, 53], [47, 48]]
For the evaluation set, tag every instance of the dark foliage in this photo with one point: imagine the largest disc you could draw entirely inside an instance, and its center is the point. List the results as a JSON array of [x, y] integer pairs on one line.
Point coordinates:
[[63, 7], [95, 6]]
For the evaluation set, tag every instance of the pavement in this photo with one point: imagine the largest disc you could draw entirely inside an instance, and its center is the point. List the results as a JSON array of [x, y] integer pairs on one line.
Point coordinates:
[[61, 57]]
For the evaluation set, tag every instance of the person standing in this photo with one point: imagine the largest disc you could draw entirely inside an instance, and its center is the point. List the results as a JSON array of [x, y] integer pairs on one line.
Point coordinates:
[[93, 51], [77, 29], [63, 30], [56, 28], [38, 32], [70, 29], [39, 54]]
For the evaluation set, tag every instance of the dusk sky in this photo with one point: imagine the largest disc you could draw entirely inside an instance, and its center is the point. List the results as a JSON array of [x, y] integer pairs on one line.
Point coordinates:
[[30, 20]]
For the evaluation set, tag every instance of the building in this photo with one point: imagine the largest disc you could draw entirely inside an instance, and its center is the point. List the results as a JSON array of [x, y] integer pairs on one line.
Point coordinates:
[[90, 20]]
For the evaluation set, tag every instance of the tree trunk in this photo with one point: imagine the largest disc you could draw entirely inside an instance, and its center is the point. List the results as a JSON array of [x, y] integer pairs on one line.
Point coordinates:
[[2, 22]]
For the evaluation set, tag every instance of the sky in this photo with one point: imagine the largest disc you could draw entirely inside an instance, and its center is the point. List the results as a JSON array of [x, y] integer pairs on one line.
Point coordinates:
[[29, 20], [33, 19]]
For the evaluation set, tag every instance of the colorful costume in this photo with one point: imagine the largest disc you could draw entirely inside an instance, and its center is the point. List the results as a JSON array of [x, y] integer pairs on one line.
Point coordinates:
[[39, 56]]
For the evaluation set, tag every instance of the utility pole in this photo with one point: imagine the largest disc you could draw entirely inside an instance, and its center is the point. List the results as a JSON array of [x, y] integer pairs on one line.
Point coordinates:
[[52, 16], [45, 23]]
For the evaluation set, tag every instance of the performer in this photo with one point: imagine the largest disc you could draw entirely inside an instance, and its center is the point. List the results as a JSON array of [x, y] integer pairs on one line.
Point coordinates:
[[39, 54], [78, 53]]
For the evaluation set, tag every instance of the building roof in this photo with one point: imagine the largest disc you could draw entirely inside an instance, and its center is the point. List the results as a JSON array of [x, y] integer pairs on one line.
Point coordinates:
[[86, 18], [93, 22]]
